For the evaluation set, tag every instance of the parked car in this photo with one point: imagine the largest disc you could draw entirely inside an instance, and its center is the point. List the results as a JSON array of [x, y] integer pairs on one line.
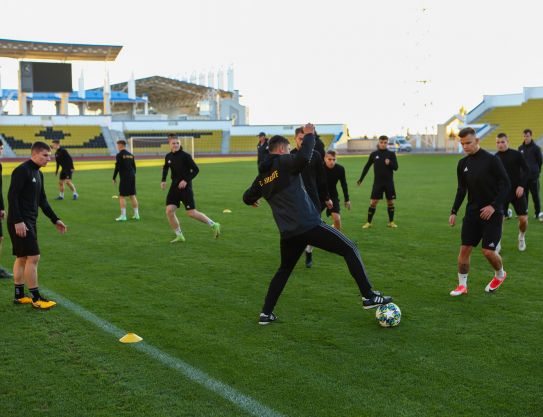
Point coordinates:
[[399, 144]]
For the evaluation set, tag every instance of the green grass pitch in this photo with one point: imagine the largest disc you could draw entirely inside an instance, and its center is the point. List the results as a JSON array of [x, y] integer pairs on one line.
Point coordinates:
[[477, 355]]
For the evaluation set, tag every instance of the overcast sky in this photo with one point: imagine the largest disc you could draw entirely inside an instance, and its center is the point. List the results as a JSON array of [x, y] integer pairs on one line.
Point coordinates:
[[356, 62]]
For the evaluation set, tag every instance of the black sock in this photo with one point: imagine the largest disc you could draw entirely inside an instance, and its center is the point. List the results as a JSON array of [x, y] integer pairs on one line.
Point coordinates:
[[35, 293], [19, 291], [371, 212], [390, 210]]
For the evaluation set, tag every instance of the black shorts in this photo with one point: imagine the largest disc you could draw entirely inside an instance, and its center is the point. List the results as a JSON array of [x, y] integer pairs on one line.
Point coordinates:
[[519, 204], [334, 209], [24, 246], [127, 186], [176, 196], [66, 174], [474, 229], [386, 188]]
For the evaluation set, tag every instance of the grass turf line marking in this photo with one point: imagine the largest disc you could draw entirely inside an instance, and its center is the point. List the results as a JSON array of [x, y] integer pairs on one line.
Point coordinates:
[[242, 401]]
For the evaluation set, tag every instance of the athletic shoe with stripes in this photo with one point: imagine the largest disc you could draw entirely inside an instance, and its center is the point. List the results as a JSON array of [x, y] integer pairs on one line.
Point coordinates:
[[266, 319], [459, 290], [495, 283], [376, 300]]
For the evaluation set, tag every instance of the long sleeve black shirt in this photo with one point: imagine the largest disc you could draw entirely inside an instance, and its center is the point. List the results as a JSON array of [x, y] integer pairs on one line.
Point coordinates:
[[64, 160], [26, 193], [261, 151], [333, 176], [532, 154], [383, 173], [125, 165], [182, 166], [515, 166], [280, 183], [483, 177], [314, 178]]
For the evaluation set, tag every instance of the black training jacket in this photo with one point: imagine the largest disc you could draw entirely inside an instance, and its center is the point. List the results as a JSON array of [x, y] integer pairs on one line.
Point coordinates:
[[26, 194], [280, 182], [532, 155]]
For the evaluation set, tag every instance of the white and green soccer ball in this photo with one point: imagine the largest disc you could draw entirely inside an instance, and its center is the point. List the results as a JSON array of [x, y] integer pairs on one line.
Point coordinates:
[[388, 315]]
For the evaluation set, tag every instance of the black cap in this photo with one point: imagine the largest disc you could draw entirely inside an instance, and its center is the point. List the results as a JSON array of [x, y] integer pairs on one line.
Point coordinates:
[[261, 134]]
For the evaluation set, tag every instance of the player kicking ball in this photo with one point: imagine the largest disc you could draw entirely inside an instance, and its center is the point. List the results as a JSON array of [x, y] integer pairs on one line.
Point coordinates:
[[482, 176], [184, 170], [299, 222]]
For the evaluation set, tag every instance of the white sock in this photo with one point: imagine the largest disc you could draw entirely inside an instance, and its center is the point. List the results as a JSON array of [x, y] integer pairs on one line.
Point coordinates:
[[463, 279], [178, 231], [521, 235], [210, 222], [75, 193], [136, 212], [123, 212], [500, 274], [61, 194]]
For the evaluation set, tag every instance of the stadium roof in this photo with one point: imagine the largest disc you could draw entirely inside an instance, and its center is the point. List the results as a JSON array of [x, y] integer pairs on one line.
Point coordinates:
[[57, 51], [167, 93]]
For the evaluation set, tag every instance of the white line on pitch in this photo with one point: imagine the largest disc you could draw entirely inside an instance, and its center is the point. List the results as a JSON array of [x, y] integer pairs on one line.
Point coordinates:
[[243, 401]]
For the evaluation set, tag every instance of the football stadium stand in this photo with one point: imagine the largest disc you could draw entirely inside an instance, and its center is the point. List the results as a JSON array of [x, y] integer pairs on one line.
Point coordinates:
[[79, 140], [511, 114]]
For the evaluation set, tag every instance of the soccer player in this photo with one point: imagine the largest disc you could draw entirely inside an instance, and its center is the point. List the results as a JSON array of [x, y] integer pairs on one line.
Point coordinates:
[[384, 164], [482, 176], [183, 172], [64, 161], [125, 166], [298, 220], [261, 147], [26, 194], [335, 173], [532, 155], [4, 273], [314, 179], [517, 171]]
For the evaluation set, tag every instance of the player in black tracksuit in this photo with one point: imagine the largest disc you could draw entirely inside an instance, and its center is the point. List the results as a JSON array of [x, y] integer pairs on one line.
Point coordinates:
[[314, 179], [532, 155], [66, 163], [183, 169], [517, 171], [482, 176], [335, 173], [384, 164], [280, 183], [125, 166], [261, 147], [4, 273], [26, 193]]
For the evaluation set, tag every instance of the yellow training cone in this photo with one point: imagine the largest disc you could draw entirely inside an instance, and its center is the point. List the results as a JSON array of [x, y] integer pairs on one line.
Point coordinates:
[[227, 211], [130, 338], [114, 196]]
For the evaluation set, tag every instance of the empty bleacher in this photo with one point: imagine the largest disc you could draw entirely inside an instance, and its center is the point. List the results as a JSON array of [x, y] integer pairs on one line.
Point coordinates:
[[512, 120], [79, 140]]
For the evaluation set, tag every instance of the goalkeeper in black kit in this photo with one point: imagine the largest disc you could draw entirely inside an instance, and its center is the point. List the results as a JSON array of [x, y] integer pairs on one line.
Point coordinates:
[[384, 164], [298, 220], [125, 166]]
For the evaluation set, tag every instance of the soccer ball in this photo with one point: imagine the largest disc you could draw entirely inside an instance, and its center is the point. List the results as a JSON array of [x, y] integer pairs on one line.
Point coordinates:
[[509, 213], [388, 315]]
